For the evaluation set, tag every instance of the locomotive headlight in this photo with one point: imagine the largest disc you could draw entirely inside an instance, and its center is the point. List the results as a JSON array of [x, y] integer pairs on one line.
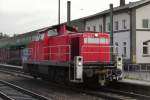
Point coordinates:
[[79, 63], [119, 64], [96, 35]]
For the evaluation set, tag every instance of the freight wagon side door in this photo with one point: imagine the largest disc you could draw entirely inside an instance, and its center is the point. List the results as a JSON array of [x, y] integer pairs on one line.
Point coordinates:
[[74, 47]]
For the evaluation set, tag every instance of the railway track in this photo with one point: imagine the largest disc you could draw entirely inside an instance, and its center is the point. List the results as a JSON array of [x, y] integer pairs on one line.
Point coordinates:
[[109, 94], [10, 91], [127, 95]]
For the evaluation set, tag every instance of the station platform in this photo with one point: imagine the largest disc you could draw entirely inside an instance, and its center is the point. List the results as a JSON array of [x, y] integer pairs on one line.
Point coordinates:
[[11, 66], [135, 82]]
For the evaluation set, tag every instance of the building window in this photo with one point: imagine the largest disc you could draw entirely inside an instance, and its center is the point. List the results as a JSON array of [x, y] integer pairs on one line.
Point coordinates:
[[88, 28], [100, 28], [94, 28], [124, 24], [116, 25], [92, 40], [145, 23], [145, 48], [52, 32], [124, 49], [108, 26], [116, 48]]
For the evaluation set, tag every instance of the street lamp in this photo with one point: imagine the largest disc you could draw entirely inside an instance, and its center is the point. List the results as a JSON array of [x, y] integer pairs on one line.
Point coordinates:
[[58, 12]]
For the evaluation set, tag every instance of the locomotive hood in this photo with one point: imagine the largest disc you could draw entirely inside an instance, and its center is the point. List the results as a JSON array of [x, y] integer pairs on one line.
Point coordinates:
[[61, 29]]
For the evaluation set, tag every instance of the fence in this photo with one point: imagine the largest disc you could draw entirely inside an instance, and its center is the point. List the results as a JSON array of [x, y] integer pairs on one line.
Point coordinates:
[[137, 72], [138, 68]]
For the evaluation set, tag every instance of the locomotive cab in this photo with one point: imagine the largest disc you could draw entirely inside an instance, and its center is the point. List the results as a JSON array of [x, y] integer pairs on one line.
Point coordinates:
[[75, 47]]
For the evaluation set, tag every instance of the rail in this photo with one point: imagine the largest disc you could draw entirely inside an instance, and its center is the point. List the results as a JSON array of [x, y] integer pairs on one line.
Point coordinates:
[[9, 91], [126, 94], [103, 92]]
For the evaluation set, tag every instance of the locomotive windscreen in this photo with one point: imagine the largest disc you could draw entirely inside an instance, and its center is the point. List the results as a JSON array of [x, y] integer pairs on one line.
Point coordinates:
[[96, 41]]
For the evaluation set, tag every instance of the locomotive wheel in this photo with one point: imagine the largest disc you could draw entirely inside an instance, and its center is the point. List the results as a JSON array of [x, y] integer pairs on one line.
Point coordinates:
[[51, 73], [34, 76], [91, 82]]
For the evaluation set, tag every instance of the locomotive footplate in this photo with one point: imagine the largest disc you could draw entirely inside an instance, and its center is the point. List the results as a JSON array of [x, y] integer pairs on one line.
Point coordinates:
[[99, 65], [92, 70], [105, 72]]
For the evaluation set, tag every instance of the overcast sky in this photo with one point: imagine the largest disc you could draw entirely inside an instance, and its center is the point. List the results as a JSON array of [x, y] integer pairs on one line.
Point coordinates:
[[20, 16]]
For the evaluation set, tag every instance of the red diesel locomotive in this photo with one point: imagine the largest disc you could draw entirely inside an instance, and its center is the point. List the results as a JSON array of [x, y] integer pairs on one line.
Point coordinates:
[[62, 54]]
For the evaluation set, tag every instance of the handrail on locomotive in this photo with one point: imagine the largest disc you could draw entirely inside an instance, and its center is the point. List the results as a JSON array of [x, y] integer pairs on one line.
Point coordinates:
[[60, 48]]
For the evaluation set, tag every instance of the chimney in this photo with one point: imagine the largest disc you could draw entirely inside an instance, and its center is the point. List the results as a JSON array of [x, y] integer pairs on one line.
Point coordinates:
[[122, 2], [68, 12], [111, 24]]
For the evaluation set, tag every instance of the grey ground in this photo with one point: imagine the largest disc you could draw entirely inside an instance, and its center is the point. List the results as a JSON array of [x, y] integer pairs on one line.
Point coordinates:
[[49, 91]]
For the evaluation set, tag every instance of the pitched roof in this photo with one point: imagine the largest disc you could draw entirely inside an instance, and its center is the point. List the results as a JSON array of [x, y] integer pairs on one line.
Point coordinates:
[[127, 6], [138, 3]]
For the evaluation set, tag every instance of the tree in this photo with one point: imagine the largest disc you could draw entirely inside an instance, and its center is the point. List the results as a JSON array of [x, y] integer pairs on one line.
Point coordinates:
[[2, 35]]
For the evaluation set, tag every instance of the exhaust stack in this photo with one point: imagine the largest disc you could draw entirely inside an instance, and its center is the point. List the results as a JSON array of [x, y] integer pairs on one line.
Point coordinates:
[[68, 12], [58, 12], [122, 2], [111, 24]]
